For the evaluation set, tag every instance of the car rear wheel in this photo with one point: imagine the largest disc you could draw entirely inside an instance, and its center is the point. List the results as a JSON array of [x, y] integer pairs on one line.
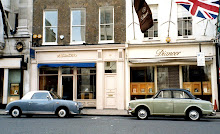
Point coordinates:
[[193, 115], [15, 112], [62, 113], [142, 114]]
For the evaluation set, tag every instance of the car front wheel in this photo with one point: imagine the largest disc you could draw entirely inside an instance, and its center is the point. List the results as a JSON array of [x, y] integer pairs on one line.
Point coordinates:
[[62, 113], [15, 112], [193, 115], [142, 114]]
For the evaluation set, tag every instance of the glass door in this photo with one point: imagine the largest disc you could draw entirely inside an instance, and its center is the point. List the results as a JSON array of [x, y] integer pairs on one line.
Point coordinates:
[[67, 86]]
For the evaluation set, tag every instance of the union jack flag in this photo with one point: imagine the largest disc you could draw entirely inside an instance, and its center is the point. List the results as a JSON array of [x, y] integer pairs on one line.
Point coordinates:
[[207, 9]]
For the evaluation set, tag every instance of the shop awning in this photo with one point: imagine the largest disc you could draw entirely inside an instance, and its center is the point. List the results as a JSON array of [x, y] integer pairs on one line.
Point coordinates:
[[166, 60], [67, 65]]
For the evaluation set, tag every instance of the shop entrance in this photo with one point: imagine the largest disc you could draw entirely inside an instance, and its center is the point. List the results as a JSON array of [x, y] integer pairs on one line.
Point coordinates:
[[1, 84], [168, 77], [67, 86], [110, 91]]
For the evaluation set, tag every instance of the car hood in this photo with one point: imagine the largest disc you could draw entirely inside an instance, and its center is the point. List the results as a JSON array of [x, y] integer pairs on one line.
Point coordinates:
[[141, 100]]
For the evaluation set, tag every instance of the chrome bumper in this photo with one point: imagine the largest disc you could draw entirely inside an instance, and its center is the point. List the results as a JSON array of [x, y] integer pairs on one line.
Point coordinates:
[[213, 113]]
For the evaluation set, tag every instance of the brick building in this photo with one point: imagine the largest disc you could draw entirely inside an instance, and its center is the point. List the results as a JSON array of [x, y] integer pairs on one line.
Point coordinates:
[[79, 50]]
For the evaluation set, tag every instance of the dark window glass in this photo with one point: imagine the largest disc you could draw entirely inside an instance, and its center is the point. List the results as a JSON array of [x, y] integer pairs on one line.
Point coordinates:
[[142, 74], [40, 96]]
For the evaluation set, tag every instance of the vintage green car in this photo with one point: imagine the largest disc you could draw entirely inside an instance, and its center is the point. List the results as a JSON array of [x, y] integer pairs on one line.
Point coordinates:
[[171, 102]]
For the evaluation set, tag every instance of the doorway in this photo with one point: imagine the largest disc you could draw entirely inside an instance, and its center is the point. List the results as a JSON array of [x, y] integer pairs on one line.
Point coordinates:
[[168, 77], [67, 86], [110, 91]]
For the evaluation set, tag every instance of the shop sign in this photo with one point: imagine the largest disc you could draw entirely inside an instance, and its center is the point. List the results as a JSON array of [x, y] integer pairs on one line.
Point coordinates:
[[161, 52], [66, 55], [200, 59]]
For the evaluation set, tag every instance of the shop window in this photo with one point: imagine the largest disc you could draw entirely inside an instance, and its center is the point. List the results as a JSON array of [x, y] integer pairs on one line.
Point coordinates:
[[50, 27], [198, 80], [67, 70], [110, 67], [48, 79], [106, 24], [142, 82], [14, 82], [78, 24], [86, 83]]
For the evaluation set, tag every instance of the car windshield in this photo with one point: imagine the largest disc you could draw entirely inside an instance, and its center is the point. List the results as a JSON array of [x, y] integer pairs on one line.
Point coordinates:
[[55, 96]]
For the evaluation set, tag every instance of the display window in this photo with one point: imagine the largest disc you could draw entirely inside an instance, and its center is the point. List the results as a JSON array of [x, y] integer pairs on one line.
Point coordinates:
[[142, 82], [48, 79], [14, 83], [86, 83], [75, 83], [198, 81]]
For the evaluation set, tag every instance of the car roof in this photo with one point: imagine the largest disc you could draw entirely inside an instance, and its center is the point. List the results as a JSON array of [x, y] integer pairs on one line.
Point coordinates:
[[175, 89], [28, 95]]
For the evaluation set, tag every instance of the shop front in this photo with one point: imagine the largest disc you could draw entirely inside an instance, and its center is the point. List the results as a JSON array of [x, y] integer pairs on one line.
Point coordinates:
[[87, 75], [11, 79], [155, 67]]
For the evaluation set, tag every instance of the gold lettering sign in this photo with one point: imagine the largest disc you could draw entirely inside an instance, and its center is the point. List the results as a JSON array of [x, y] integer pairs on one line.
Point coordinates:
[[66, 55], [161, 52]]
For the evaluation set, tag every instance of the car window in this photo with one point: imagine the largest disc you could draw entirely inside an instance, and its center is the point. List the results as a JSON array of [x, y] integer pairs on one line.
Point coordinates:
[[39, 96], [164, 94], [180, 94]]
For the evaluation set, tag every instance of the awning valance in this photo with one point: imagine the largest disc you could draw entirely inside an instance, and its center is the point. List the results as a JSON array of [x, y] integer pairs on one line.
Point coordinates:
[[67, 65], [166, 60]]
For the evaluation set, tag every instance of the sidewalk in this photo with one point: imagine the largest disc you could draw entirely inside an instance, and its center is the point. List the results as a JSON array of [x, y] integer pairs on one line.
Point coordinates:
[[112, 112]]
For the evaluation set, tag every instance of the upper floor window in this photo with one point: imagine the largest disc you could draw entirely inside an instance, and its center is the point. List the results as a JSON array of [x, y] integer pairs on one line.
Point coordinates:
[[106, 25], [78, 24], [153, 31], [50, 27], [184, 22]]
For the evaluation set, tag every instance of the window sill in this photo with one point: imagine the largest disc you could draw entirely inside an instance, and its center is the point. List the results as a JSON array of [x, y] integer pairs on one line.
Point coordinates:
[[49, 44], [77, 43], [150, 39], [106, 42], [182, 38]]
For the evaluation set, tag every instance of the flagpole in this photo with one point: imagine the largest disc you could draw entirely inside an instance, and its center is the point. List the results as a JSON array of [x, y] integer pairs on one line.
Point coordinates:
[[133, 17], [170, 18]]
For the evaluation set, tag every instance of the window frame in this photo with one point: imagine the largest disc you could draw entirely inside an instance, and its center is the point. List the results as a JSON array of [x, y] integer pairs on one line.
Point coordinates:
[[154, 10], [71, 26], [106, 41], [182, 18], [44, 27]]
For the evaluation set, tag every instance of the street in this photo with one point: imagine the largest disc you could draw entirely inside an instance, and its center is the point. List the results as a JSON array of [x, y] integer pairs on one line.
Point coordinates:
[[106, 125]]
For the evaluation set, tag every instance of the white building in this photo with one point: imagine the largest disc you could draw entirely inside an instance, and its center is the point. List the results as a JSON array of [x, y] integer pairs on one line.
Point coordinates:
[[153, 64], [14, 53]]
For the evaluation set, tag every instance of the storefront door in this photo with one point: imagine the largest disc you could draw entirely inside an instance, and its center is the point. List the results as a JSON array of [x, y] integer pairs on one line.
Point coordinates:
[[168, 77], [67, 86], [1, 84], [110, 91]]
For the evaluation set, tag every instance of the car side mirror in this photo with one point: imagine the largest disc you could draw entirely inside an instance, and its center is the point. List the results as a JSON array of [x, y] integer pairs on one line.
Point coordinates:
[[48, 97]]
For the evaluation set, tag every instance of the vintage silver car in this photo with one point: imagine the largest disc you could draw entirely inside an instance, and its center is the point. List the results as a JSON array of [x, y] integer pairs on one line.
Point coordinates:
[[43, 102], [168, 102]]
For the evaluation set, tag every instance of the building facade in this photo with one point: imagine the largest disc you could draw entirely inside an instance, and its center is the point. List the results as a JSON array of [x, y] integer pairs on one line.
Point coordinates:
[[14, 50], [166, 55], [78, 50]]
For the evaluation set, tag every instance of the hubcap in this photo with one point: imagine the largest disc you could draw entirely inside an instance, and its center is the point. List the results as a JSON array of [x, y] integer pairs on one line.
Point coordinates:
[[15, 113], [193, 115], [142, 114], [62, 113]]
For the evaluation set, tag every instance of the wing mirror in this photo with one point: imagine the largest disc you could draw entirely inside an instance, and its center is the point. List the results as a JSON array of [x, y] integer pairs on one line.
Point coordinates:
[[48, 97]]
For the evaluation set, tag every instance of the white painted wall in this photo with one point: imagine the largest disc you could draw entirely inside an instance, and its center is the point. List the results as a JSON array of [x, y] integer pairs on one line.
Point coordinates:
[[199, 33]]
